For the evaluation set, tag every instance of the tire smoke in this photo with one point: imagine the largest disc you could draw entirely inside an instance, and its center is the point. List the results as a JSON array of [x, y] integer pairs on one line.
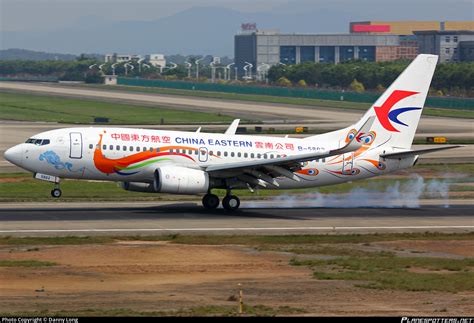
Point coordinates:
[[396, 195]]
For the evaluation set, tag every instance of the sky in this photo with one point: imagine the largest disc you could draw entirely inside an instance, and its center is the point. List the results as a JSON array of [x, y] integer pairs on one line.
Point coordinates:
[[21, 15], [192, 26]]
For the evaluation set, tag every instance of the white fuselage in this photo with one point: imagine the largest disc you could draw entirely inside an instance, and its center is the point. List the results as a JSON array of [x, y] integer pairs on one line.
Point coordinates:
[[132, 155]]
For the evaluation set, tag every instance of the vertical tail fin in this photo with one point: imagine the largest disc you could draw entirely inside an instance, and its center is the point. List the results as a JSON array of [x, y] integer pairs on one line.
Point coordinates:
[[399, 108]]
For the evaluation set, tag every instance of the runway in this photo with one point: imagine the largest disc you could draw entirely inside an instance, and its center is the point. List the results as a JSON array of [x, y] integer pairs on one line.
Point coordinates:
[[253, 218]]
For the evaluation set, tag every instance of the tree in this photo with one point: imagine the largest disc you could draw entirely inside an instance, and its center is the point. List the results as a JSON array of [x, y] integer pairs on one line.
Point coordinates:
[[357, 86], [302, 83], [283, 81]]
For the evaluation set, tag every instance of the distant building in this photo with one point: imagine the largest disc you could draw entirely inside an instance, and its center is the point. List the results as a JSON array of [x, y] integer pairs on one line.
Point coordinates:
[[407, 27], [451, 46], [263, 47], [120, 58], [157, 60], [367, 40]]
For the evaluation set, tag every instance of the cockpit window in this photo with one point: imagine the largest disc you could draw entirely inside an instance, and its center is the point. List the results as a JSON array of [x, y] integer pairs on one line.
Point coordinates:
[[38, 142]]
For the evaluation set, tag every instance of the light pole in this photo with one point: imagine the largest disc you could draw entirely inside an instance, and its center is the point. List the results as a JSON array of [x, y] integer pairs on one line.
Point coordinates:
[[128, 65], [249, 70], [228, 68], [197, 68], [213, 72], [188, 66], [140, 65], [113, 68], [262, 70], [101, 68]]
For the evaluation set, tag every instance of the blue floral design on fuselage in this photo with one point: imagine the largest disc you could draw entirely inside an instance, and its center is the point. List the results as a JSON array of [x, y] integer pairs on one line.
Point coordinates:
[[52, 158]]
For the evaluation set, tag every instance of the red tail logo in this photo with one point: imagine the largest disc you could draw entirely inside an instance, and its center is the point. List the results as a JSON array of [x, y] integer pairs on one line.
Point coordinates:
[[383, 112]]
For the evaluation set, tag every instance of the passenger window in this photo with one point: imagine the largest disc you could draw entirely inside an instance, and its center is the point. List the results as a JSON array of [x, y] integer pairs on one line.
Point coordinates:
[[246, 155], [45, 142], [259, 156], [131, 148], [104, 147], [203, 152], [118, 147], [271, 156], [239, 154], [196, 152], [219, 153], [144, 149], [138, 149], [190, 152], [225, 153], [124, 148], [91, 146], [111, 147], [211, 153], [265, 156], [252, 155], [232, 154]]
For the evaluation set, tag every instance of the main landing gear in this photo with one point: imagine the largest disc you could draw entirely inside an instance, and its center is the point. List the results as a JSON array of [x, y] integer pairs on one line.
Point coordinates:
[[56, 191], [229, 202]]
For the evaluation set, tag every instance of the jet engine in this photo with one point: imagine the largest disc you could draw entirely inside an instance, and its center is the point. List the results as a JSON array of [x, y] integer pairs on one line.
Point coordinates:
[[180, 180]]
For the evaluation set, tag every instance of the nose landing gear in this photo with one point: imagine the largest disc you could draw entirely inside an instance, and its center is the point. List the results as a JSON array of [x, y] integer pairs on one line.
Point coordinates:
[[56, 191]]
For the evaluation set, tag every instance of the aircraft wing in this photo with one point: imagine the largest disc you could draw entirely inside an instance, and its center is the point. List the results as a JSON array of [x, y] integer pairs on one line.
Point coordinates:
[[284, 166]]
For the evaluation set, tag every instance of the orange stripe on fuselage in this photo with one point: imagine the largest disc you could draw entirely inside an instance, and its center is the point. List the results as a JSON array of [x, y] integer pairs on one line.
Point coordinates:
[[109, 166]]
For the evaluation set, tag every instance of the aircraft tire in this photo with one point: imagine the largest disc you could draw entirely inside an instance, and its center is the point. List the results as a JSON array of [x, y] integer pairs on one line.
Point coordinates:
[[210, 201], [56, 193], [231, 202]]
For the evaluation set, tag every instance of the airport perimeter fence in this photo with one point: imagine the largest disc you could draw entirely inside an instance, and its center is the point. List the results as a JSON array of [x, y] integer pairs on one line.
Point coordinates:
[[435, 102]]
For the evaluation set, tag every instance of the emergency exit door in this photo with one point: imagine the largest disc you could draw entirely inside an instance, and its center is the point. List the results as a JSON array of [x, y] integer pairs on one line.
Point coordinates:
[[75, 145]]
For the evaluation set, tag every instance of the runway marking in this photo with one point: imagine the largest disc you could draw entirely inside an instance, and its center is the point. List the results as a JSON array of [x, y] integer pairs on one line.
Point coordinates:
[[243, 229]]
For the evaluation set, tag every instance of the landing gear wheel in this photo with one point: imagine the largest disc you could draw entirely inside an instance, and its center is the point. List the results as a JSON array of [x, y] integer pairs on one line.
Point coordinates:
[[56, 193], [210, 201], [231, 202]]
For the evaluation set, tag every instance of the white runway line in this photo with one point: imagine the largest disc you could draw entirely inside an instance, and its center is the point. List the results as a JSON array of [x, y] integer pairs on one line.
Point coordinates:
[[243, 229]]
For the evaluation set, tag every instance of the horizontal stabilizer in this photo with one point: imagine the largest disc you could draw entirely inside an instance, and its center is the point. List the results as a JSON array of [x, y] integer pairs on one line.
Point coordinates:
[[409, 153]]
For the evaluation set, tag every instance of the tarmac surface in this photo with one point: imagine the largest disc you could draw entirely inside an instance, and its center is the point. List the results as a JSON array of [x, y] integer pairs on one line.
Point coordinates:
[[254, 217]]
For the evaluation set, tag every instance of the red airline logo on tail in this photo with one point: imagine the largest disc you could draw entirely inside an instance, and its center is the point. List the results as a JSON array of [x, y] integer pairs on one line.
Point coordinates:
[[385, 115]]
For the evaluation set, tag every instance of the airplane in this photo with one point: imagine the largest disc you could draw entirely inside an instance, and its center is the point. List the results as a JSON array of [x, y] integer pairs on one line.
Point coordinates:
[[179, 162]]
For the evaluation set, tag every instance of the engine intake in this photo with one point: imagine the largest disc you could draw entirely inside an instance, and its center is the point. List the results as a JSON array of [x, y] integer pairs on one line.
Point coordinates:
[[180, 180]]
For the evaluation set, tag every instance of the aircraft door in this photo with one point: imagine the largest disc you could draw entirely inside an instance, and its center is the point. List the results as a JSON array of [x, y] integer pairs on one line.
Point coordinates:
[[203, 154], [75, 145]]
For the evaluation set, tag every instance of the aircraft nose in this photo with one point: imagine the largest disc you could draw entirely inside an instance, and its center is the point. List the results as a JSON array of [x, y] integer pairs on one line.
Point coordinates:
[[14, 155]]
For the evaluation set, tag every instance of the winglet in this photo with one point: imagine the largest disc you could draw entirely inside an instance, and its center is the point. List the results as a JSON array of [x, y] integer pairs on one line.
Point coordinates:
[[356, 142], [233, 127]]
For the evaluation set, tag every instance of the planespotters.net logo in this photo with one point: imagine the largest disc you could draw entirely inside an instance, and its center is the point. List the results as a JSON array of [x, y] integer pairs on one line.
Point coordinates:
[[437, 320]]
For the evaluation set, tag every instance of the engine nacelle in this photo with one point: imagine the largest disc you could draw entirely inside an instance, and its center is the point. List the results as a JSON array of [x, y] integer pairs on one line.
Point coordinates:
[[180, 180], [138, 187]]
